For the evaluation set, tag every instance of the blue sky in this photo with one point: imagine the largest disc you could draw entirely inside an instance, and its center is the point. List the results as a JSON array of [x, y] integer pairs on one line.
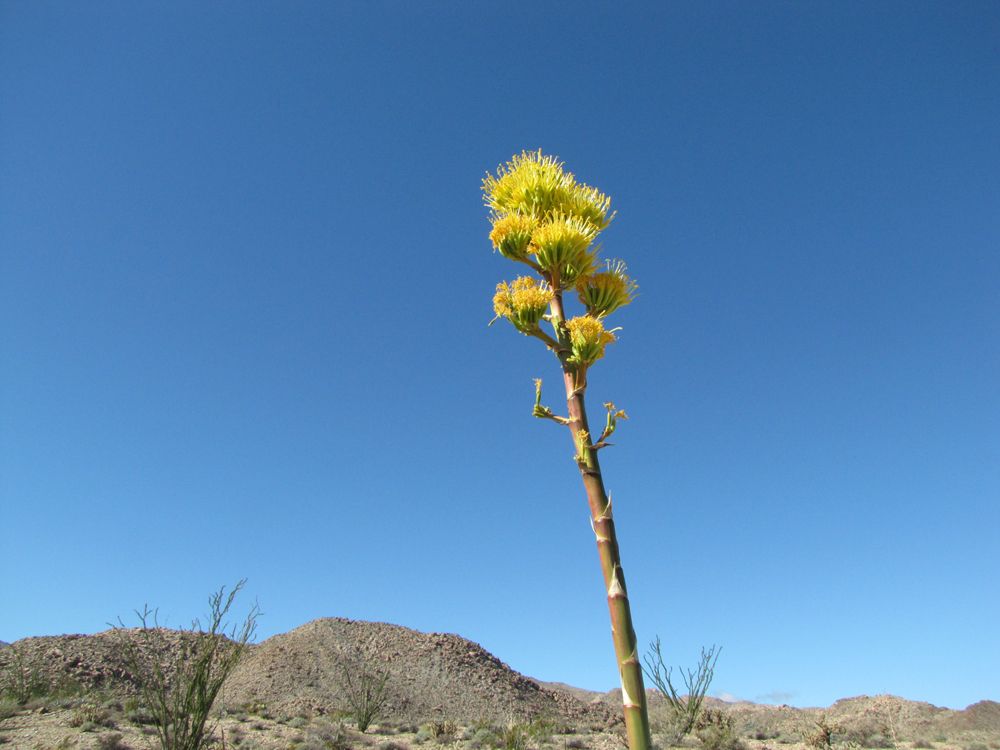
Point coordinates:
[[243, 301]]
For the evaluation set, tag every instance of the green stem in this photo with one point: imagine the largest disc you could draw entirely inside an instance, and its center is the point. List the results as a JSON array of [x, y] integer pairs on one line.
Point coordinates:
[[623, 634]]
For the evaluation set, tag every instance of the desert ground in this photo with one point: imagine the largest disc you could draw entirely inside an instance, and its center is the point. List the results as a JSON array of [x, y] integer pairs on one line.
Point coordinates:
[[443, 691]]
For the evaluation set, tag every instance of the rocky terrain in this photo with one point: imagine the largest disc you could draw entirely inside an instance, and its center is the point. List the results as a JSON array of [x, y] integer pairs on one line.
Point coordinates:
[[288, 693], [431, 675]]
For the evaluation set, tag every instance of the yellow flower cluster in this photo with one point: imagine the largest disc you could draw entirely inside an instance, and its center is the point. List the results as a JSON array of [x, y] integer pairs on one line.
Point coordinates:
[[562, 244], [537, 185], [523, 302], [605, 292], [511, 235], [544, 217], [587, 339]]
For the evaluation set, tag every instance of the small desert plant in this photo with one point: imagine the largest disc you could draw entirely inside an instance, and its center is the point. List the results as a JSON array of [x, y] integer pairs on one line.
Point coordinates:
[[110, 741], [514, 737], [922, 744], [715, 731], [684, 711], [439, 731], [90, 716], [21, 678], [365, 689], [330, 736], [541, 729], [481, 735], [180, 693], [822, 736]]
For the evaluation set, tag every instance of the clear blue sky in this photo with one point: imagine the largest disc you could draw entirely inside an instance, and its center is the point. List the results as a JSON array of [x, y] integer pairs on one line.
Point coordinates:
[[243, 301]]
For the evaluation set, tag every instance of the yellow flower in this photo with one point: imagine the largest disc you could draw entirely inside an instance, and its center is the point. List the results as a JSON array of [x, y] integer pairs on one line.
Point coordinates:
[[562, 246], [511, 235], [605, 292], [587, 339], [523, 302], [537, 185]]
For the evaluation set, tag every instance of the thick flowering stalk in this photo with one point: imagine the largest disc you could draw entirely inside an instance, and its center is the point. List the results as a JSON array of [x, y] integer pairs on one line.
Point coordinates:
[[543, 217]]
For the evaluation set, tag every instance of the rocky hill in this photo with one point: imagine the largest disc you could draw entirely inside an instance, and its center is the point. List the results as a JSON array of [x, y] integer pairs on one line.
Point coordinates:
[[431, 675], [442, 676]]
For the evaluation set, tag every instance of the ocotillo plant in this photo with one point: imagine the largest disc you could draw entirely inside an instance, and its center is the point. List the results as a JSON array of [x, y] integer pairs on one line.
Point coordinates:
[[547, 220]]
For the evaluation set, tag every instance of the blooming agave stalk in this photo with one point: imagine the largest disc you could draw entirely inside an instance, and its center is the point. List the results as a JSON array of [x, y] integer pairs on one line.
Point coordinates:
[[542, 217]]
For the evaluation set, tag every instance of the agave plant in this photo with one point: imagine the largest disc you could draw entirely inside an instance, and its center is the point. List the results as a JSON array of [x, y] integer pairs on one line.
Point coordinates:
[[546, 219]]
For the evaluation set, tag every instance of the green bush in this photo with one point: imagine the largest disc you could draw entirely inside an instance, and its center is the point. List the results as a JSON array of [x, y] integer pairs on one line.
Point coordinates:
[[21, 676], [364, 688], [514, 737], [180, 694], [683, 711]]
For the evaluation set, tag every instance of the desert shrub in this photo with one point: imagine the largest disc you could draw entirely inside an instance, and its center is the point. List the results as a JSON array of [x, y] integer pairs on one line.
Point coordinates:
[[330, 736], [255, 708], [297, 722], [667, 724], [139, 716], [684, 712], [89, 716], [869, 735], [386, 728], [482, 735], [438, 731], [977, 746], [21, 677], [8, 708], [365, 690], [541, 730], [514, 737], [393, 746], [575, 744], [110, 741], [715, 731], [922, 744], [236, 736], [821, 737], [180, 693]]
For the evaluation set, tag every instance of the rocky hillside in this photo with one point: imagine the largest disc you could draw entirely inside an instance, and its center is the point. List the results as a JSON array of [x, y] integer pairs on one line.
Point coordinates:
[[430, 675], [441, 676]]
